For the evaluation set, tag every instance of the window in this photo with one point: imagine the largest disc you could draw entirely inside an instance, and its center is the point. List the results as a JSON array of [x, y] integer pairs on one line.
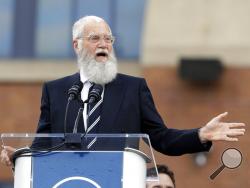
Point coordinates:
[[42, 28]]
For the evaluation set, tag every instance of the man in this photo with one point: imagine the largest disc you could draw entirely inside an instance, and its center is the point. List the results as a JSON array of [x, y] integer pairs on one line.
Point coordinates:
[[126, 104], [166, 178]]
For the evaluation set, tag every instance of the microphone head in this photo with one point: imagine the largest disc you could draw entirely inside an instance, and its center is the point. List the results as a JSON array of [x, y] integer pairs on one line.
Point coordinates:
[[75, 90], [95, 93]]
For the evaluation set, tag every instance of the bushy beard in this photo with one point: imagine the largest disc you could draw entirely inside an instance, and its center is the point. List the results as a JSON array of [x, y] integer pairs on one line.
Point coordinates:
[[97, 72]]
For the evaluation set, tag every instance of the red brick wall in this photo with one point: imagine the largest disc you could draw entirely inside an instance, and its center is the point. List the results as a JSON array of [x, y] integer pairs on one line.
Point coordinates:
[[184, 105], [181, 105], [19, 111]]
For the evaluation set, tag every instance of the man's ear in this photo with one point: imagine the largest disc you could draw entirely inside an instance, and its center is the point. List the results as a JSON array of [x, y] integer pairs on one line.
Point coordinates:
[[75, 45]]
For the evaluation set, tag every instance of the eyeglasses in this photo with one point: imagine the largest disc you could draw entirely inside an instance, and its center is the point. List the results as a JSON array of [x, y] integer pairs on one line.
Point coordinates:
[[109, 39]]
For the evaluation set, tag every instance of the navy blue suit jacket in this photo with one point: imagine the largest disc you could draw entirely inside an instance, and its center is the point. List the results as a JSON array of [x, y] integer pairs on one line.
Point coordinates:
[[128, 107]]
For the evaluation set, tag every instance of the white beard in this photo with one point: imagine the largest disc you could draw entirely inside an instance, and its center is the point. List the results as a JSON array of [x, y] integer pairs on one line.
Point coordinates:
[[97, 72]]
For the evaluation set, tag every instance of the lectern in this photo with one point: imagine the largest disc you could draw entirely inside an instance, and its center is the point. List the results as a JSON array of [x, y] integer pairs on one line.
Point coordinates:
[[83, 161]]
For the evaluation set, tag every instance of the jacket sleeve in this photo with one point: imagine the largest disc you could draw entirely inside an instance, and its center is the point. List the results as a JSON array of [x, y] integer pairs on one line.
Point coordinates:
[[163, 139]]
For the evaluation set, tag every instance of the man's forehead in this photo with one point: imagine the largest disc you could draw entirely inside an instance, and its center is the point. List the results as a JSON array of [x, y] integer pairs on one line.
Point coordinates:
[[96, 28]]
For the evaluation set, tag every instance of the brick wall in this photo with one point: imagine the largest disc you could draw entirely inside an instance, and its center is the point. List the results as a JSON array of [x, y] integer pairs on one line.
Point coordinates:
[[185, 105], [181, 104], [19, 111]]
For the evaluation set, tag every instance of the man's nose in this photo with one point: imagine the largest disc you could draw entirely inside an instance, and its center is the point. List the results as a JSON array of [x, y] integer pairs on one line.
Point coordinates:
[[102, 43]]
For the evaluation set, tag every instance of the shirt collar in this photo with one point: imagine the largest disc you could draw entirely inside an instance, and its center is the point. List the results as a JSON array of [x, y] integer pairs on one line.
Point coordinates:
[[83, 77]]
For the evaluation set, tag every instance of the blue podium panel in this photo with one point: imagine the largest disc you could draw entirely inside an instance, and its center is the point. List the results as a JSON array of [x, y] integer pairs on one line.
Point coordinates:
[[67, 169]]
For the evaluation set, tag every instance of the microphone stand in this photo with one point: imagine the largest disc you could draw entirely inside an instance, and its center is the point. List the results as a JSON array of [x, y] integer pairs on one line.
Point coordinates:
[[80, 111], [74, 139]]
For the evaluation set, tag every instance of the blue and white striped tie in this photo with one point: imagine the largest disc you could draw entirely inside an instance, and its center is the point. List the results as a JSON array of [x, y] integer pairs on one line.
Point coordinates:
[[94, 118]]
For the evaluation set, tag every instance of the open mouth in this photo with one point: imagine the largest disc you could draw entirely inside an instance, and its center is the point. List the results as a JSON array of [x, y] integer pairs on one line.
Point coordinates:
[[101, 54]]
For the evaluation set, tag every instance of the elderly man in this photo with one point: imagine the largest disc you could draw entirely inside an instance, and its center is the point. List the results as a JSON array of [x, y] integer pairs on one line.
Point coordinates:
[[126, 104]]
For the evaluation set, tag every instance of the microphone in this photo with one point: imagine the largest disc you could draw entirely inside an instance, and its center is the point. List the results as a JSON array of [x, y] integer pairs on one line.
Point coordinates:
[[95, 93], [73, 93], [75, 90]]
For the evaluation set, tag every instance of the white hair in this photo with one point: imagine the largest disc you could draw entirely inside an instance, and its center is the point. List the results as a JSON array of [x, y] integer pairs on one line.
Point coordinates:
[[99, 73], [78, 27]]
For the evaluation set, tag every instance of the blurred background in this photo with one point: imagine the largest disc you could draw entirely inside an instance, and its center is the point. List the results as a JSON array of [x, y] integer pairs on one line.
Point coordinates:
[[194, 54]]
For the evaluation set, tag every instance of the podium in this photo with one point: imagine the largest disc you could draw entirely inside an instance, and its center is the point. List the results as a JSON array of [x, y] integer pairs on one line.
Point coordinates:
[[82, 161]]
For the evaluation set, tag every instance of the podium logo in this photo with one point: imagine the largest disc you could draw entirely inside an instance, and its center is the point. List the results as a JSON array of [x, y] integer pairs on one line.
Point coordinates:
[[76, 178]]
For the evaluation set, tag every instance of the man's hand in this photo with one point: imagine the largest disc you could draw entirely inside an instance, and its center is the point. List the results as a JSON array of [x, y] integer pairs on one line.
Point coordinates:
[[216, 129], [6, 155]]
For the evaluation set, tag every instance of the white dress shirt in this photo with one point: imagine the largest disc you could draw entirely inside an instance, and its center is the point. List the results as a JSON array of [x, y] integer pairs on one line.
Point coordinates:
[[84, 95]]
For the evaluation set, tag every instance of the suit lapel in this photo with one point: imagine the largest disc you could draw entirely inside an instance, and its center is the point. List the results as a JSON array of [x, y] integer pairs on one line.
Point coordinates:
[[113, 97]]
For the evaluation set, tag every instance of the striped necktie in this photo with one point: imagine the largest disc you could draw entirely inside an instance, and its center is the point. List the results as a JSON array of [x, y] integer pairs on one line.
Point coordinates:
[[94, 118]]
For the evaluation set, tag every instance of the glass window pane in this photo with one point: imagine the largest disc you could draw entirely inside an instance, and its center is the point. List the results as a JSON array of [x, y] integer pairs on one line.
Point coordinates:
[[53, 36], [94, 7], [129, 25], [6, 23]]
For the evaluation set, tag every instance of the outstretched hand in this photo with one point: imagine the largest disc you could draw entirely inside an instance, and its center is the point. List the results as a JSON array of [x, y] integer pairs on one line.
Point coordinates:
[[6, 155], [216, 130]]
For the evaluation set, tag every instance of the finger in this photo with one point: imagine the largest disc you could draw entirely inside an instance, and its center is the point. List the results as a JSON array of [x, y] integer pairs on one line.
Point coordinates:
[[5, 160], [2, 159], [231, 139], [10, 149], [220, 116], [233, 131], [235, 134], [233, 125], [8, 162], [3, 153], [238, 130]]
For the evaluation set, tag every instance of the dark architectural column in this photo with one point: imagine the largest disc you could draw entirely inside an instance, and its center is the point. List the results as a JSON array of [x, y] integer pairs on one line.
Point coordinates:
[[24, 28]]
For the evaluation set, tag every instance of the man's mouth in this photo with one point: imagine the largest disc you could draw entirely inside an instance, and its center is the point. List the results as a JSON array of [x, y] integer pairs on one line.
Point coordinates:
[[101, 54]]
